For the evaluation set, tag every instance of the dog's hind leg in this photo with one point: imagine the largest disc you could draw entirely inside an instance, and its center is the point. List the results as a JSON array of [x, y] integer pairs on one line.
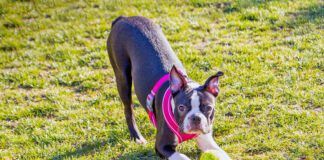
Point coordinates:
[[124, 86], [122, 68]]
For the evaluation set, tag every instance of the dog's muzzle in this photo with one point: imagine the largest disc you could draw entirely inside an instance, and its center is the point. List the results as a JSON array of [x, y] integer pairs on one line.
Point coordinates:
[[197, 124]]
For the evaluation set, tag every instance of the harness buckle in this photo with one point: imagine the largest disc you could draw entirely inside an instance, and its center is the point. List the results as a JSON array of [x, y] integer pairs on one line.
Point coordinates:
[[149, 102]]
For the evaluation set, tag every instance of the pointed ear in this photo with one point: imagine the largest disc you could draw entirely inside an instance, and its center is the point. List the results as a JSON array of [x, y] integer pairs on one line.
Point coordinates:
[[211, 84], [177, 80]]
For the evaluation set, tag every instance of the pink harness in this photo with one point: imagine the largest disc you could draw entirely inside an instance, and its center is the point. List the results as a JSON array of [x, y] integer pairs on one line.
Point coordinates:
[[167, 110]]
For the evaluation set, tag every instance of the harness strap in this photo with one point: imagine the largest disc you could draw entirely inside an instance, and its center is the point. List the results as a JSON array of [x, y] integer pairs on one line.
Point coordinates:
[[166, 109], [150, 97]]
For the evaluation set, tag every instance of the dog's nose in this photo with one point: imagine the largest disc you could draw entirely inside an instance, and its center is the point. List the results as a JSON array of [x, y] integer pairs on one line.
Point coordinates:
[[196, 119]]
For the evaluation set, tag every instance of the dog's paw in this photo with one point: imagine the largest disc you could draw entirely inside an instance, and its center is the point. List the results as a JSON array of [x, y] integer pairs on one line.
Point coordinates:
[[140, 140]]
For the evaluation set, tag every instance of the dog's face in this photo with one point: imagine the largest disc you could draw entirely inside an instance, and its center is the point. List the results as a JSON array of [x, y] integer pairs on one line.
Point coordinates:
[[193, 104]]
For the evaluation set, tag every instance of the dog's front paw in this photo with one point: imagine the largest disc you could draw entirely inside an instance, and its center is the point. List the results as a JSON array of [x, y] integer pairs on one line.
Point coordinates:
[[178, 156]]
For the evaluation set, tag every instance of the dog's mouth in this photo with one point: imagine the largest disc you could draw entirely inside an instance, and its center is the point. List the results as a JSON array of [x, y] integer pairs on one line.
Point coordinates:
[[196, 129]]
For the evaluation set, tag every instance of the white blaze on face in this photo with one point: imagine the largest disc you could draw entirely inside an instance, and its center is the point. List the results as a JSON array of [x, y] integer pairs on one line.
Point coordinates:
[[193, 84], [195, 110], [172, 105]]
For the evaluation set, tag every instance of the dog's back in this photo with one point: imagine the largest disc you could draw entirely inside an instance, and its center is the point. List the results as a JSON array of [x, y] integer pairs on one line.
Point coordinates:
[[139, 51]]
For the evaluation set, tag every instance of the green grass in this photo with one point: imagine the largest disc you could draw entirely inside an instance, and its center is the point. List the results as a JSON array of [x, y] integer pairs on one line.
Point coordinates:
[[58, 98]]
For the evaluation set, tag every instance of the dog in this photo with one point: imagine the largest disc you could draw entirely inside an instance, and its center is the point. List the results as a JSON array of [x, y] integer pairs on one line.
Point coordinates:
[[179, 107]]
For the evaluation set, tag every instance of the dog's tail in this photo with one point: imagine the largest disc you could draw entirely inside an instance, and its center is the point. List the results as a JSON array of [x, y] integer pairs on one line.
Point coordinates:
[[116, 20]]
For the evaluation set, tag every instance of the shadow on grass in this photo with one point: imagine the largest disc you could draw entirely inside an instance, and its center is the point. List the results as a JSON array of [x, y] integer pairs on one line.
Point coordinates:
[[241, 5], [311, 14], [149, 154], [89, 148], [146, 154], [85, 149]]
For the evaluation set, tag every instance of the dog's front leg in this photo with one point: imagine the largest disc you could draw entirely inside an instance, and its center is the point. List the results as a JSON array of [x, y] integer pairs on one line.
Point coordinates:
[[178, 156], [207, 143], [165, 146], [169, 152]]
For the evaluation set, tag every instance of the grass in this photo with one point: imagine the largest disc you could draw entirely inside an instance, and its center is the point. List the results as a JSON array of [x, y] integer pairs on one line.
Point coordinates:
[[58, 98]]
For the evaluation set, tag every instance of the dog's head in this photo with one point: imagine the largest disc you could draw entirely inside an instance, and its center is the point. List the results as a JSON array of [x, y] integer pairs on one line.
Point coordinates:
[[193, 105]]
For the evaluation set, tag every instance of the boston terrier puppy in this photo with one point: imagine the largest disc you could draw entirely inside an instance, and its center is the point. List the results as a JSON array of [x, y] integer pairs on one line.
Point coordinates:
[[180, 108]]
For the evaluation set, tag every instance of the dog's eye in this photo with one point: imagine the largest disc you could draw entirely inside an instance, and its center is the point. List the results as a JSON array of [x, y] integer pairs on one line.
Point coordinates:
[[182, 108], [208, 108]]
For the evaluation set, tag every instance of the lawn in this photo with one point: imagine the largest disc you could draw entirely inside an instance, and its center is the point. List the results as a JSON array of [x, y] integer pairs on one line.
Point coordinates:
[[58, 96]]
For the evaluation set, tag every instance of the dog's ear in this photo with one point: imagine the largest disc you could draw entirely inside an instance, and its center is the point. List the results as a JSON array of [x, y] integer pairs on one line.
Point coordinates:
[[177, 80], [211, 84]]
